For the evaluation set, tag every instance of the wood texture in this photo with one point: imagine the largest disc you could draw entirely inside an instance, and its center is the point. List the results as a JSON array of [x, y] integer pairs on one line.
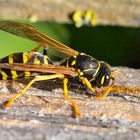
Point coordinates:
[[43, 113], [108, 12]]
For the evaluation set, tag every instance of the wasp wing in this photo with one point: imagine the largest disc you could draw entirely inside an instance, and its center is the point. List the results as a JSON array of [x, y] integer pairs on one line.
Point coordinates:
[[39, 68], [29, 32]]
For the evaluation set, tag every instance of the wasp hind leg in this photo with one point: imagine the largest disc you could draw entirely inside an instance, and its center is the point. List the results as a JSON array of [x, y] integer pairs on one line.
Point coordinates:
[[75, 107], [37, 78]]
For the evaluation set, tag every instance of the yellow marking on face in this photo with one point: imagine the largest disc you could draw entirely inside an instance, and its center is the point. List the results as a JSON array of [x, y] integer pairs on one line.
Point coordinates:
[[25, 57], [4, 75], [73, 62], [102, 80]]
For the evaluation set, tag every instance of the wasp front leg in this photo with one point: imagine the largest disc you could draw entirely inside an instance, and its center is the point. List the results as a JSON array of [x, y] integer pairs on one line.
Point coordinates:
[[86, 82], [104, 95]]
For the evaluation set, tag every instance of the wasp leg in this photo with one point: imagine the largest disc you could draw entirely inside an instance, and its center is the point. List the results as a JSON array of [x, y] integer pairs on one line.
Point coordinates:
[[37, 78], [39, 46], [103, 96], [76, 109], [86, 82], [98, 95], [45, 51]]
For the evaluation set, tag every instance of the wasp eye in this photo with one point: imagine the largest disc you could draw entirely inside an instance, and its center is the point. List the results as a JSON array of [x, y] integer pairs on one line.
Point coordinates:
[[107, 77], [106, 80]]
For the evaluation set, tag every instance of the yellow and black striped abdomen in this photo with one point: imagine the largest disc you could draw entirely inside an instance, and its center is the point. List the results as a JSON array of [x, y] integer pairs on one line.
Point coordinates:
[[23, 58]]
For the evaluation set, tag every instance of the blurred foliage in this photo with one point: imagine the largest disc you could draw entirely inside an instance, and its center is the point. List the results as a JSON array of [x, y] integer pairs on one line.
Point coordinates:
[[119, 46]]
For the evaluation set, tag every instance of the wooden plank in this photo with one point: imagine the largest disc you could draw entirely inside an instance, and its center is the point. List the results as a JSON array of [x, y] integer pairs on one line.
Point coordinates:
[[43, 113]]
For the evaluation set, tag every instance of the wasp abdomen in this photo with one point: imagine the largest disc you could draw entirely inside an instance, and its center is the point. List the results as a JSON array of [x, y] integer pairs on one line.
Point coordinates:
[[25, 58]]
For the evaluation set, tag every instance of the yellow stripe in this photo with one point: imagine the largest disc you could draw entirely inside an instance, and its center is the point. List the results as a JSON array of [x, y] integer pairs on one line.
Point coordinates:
[[36, 61], [4, 75], [25, 57], [27, 74], [102, 80], [13, 72], [25, 60], [96, 70], [45, 60], [77, 18], [10, 59]]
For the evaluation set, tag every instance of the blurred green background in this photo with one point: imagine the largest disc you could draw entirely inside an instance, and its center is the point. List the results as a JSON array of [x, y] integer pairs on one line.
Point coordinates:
[[119, 46]]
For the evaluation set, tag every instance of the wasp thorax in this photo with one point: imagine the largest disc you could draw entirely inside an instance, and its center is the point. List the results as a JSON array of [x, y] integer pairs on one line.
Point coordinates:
[[85, 65], [97, 72]]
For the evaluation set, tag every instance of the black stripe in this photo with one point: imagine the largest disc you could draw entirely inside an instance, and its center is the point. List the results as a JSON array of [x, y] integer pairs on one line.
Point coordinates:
[[18, 58], [1, 77], [4, 60], [8, 72]]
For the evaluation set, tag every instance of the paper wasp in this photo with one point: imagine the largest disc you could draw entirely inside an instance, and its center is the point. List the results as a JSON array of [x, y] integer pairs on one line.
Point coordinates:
[[81, 67], [83, 17]]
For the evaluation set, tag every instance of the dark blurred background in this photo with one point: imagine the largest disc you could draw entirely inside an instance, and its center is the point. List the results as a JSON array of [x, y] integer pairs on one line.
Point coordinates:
[[119, 46]]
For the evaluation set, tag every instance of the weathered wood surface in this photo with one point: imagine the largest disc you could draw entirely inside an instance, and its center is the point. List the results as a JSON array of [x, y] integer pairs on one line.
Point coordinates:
[[43, 113], [111, 12]]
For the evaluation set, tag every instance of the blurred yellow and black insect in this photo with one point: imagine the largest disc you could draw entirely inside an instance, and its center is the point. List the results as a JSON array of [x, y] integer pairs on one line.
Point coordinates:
[[78, 66], [83, 17]]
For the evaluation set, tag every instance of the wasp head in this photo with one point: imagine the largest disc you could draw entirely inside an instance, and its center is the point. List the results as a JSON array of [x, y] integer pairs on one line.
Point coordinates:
[[104, 75]]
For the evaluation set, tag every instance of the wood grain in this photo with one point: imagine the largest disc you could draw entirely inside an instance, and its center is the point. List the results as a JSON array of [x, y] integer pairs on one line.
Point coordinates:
[[43, 113]]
